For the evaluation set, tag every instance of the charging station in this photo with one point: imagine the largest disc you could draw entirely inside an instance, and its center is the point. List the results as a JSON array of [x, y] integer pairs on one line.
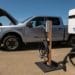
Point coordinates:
[[49, 65]]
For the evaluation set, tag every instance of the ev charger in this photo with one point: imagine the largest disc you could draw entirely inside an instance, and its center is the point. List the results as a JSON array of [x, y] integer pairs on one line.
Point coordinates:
[[48, 26], [71, 21]]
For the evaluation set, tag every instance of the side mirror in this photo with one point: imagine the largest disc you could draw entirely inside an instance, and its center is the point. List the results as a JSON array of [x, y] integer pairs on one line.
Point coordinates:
[[0, 24], [29, 25]]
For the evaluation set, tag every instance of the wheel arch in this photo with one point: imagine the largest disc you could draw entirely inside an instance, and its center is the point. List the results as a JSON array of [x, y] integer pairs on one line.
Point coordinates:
[[11, 33]]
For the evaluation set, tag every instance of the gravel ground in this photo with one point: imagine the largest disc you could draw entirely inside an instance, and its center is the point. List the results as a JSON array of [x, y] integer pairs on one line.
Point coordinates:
[[23, 62]]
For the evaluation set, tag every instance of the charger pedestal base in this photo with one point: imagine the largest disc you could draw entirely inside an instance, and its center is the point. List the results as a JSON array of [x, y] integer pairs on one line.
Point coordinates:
[[47, 68]]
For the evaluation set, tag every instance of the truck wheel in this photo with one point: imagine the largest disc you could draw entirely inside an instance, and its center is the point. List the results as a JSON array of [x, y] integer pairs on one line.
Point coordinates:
[[11, 42], [72, 41]]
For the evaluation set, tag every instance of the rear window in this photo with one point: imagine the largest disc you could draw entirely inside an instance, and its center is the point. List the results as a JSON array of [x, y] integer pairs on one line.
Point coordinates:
[[55, 20]]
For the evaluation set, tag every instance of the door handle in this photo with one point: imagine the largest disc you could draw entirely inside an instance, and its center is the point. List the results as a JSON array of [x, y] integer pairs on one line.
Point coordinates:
[[60, 28], [35, 36]]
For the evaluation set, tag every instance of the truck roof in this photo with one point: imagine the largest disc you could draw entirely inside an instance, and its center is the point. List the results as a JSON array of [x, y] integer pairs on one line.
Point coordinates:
[[47, 16]]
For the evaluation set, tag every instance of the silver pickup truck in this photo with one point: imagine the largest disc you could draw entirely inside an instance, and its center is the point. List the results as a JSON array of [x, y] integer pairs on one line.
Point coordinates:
[[13, 33]]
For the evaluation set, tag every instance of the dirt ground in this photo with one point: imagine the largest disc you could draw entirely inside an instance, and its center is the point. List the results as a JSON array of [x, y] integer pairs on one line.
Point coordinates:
[[23, 62]]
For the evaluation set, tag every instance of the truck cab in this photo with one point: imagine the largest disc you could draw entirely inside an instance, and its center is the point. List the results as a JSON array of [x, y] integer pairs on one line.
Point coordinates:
[[34, 27]]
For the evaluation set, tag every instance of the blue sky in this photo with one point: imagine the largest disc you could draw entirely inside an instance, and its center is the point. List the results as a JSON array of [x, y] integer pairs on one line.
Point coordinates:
[[21, 9]]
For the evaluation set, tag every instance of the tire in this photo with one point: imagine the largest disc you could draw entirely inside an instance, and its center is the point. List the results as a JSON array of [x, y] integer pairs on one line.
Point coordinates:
[[72, 41], [72, 59], [72, 56], [11, 42]]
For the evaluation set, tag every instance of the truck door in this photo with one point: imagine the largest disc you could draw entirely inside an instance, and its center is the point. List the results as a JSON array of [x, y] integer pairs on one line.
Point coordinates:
[[57, 29], [34, 30]]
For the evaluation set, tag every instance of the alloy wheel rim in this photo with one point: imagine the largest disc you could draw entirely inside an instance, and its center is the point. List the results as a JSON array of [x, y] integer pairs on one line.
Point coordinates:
[[12, 43]]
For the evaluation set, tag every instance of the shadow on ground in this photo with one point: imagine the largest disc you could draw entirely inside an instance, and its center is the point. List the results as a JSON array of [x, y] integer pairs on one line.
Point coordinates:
[[36, 46]]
